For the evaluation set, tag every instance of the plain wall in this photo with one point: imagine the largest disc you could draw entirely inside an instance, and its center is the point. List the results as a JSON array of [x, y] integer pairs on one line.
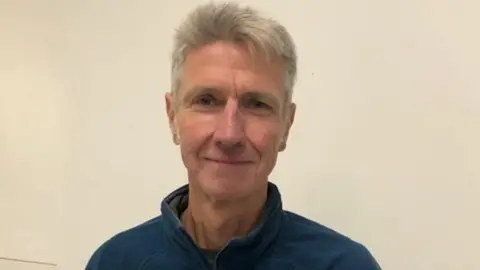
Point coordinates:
[[34, 139], [384, 148]]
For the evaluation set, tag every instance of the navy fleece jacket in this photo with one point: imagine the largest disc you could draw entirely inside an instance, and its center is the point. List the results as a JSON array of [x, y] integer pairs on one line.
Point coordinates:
[[281, 241]]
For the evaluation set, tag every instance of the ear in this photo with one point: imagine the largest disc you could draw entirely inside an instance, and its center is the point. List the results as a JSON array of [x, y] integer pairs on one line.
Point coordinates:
[[289, 118], [172, 117]]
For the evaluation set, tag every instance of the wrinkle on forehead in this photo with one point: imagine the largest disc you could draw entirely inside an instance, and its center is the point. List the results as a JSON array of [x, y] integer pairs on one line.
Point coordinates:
[[232, 67]]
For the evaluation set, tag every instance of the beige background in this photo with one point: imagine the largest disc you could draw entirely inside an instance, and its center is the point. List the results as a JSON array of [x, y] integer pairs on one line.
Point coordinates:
[[385, 147]]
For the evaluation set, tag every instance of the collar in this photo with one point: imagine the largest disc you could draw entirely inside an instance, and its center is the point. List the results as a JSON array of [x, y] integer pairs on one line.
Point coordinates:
[[250, 247]]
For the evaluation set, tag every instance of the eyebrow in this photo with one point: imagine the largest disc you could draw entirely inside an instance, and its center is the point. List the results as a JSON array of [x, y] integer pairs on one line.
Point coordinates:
[[266, 97]]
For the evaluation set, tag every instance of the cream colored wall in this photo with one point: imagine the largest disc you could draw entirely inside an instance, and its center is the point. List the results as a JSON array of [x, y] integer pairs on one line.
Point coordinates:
[[385, 147], [33, 135]]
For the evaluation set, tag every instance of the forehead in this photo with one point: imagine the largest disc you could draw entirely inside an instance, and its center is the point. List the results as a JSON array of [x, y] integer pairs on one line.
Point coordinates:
[[231, 67]]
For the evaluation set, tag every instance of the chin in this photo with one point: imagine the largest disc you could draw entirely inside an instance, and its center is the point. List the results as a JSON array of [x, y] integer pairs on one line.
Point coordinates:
[[232, 188]]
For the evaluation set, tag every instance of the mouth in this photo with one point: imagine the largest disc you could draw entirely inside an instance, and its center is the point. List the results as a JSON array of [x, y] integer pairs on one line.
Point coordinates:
[[229, 161]]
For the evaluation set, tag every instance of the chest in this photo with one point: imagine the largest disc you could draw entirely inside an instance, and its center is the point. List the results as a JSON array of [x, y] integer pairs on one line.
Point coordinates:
[[264, 264]]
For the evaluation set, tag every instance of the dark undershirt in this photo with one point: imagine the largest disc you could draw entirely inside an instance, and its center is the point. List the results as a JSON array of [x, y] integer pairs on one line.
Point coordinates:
[[210, 255], [179, 206]]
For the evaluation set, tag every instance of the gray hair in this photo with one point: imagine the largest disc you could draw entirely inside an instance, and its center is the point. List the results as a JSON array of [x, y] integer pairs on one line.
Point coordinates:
[[212, 22]]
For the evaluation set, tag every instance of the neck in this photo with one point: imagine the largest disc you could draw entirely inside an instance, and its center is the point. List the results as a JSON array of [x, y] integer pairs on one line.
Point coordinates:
[[212, 224]]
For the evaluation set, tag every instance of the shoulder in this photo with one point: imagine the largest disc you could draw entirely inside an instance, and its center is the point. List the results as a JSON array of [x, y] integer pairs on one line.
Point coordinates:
[[320, 244], [129, 248]]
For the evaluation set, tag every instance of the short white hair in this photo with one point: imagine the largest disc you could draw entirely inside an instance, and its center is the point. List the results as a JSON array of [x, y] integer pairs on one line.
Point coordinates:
[[231, 22]]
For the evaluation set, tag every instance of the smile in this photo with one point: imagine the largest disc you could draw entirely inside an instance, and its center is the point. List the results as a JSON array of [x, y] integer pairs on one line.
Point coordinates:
[[229, 161]]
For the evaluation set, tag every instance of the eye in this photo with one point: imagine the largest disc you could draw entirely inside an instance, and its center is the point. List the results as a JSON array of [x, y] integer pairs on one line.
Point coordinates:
[[205, 100], [256, 104]]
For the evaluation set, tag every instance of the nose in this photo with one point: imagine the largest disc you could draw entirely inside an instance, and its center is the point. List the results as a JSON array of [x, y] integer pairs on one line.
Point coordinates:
[[229, 135]]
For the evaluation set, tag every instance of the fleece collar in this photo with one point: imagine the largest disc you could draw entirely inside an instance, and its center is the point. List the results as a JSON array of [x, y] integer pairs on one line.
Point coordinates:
[[239, 251]]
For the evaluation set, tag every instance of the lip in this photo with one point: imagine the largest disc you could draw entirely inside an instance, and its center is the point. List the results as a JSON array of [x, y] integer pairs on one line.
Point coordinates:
[[228, 161]]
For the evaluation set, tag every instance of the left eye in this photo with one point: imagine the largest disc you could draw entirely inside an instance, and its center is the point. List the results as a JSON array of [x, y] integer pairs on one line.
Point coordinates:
[[256, 104]]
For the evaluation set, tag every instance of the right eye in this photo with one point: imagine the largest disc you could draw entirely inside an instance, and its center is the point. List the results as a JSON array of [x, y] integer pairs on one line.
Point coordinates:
[[205, 101]]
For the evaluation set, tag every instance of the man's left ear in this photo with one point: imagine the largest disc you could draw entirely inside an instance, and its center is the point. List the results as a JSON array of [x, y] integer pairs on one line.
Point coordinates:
[[289, 119]]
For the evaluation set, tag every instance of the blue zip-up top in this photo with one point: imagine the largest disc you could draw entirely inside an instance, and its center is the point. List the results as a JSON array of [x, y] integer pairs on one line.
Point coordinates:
[[281, 241]]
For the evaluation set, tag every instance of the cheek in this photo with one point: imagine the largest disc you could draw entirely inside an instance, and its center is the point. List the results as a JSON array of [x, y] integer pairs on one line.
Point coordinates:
[[265, 143], [265, 140], [193, 132]]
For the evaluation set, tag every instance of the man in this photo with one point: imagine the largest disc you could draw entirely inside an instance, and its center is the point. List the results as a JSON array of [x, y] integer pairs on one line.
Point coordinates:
[[230, 111]]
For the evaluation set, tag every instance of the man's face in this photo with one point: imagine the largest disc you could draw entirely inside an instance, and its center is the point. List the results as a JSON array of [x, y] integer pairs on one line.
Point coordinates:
[[230, 117]]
